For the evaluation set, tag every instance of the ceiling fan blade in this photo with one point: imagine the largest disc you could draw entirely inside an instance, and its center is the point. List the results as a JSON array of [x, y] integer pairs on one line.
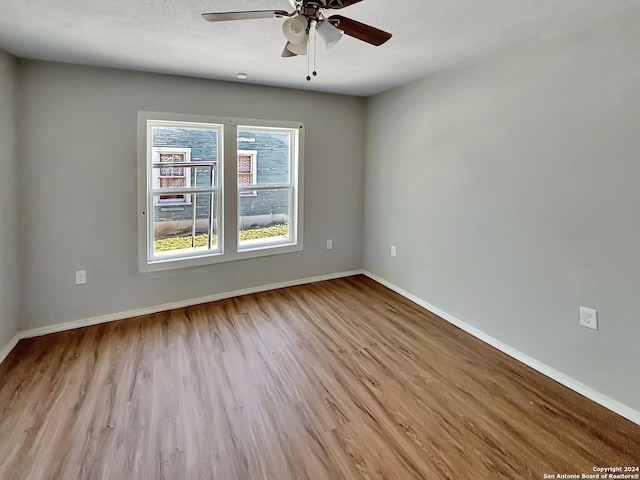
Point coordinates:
[[361, 31], [338, 4], [249, 15]]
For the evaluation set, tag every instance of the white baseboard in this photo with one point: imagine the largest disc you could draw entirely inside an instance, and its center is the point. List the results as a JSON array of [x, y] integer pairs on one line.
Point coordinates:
[[601, 399], [61, 327], [4, 353]]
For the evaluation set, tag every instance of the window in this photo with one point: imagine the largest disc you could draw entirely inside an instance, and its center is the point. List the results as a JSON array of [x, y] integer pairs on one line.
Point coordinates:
[[247, 170], [168, 175], [217, 189]]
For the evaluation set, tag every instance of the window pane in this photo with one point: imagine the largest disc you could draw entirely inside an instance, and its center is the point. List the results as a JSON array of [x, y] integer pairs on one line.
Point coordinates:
[[264, 218], [175, 144], [271, 149], [173, 226]]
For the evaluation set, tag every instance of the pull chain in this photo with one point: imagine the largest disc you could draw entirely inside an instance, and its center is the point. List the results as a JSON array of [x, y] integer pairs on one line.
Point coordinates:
[[309, 58], [313, 38], [315, 49]]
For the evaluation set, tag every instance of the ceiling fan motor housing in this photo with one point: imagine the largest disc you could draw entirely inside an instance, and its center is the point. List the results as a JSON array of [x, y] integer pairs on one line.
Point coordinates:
[[312, 9]]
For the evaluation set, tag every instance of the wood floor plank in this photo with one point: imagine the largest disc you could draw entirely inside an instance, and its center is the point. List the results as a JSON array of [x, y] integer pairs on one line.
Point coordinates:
[[335, 380]]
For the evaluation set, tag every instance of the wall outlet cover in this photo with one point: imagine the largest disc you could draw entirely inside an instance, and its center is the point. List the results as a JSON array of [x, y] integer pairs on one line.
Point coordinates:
[[81, 277], [589, 318]]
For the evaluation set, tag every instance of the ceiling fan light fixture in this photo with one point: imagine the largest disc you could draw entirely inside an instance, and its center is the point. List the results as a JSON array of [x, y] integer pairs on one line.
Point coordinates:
[[286, 53], [295, 28], [329, 34], [299, 48]]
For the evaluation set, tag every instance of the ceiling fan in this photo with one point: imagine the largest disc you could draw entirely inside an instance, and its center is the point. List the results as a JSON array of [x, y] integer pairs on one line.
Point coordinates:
[[309, 18]]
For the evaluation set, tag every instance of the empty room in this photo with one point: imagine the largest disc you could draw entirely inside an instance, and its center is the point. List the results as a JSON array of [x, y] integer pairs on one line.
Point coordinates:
[[319, 239]]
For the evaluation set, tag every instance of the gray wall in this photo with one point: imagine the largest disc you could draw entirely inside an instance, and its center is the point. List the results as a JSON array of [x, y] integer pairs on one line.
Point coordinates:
[[77, 143], [8, 200], [511, 188]]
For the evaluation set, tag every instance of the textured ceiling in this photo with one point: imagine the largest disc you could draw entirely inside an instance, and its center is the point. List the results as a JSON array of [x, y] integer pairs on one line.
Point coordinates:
[[168, 36]]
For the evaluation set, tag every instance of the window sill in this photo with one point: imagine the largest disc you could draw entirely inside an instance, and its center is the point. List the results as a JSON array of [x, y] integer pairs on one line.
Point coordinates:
[[175, 263], [261, 244]]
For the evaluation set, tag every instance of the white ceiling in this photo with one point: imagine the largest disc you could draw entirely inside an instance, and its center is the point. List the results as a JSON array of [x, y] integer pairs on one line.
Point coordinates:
[[168, 36]]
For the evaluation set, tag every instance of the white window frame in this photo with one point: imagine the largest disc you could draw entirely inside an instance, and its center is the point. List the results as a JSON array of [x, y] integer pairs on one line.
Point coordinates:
[[254, 171], [156, 174], [227, 190]]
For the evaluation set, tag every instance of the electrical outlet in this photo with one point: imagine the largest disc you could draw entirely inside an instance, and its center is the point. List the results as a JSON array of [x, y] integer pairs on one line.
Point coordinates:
[[81, 277], [329, 244], [394, 251], [589, 318]]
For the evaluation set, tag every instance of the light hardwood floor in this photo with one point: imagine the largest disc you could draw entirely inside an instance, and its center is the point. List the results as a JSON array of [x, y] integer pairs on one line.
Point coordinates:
[[336, 380]]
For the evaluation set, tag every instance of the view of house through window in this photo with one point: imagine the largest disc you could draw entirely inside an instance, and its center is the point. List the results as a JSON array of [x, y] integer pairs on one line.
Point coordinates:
[[186, 192], [172, 177], [247, 169]]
